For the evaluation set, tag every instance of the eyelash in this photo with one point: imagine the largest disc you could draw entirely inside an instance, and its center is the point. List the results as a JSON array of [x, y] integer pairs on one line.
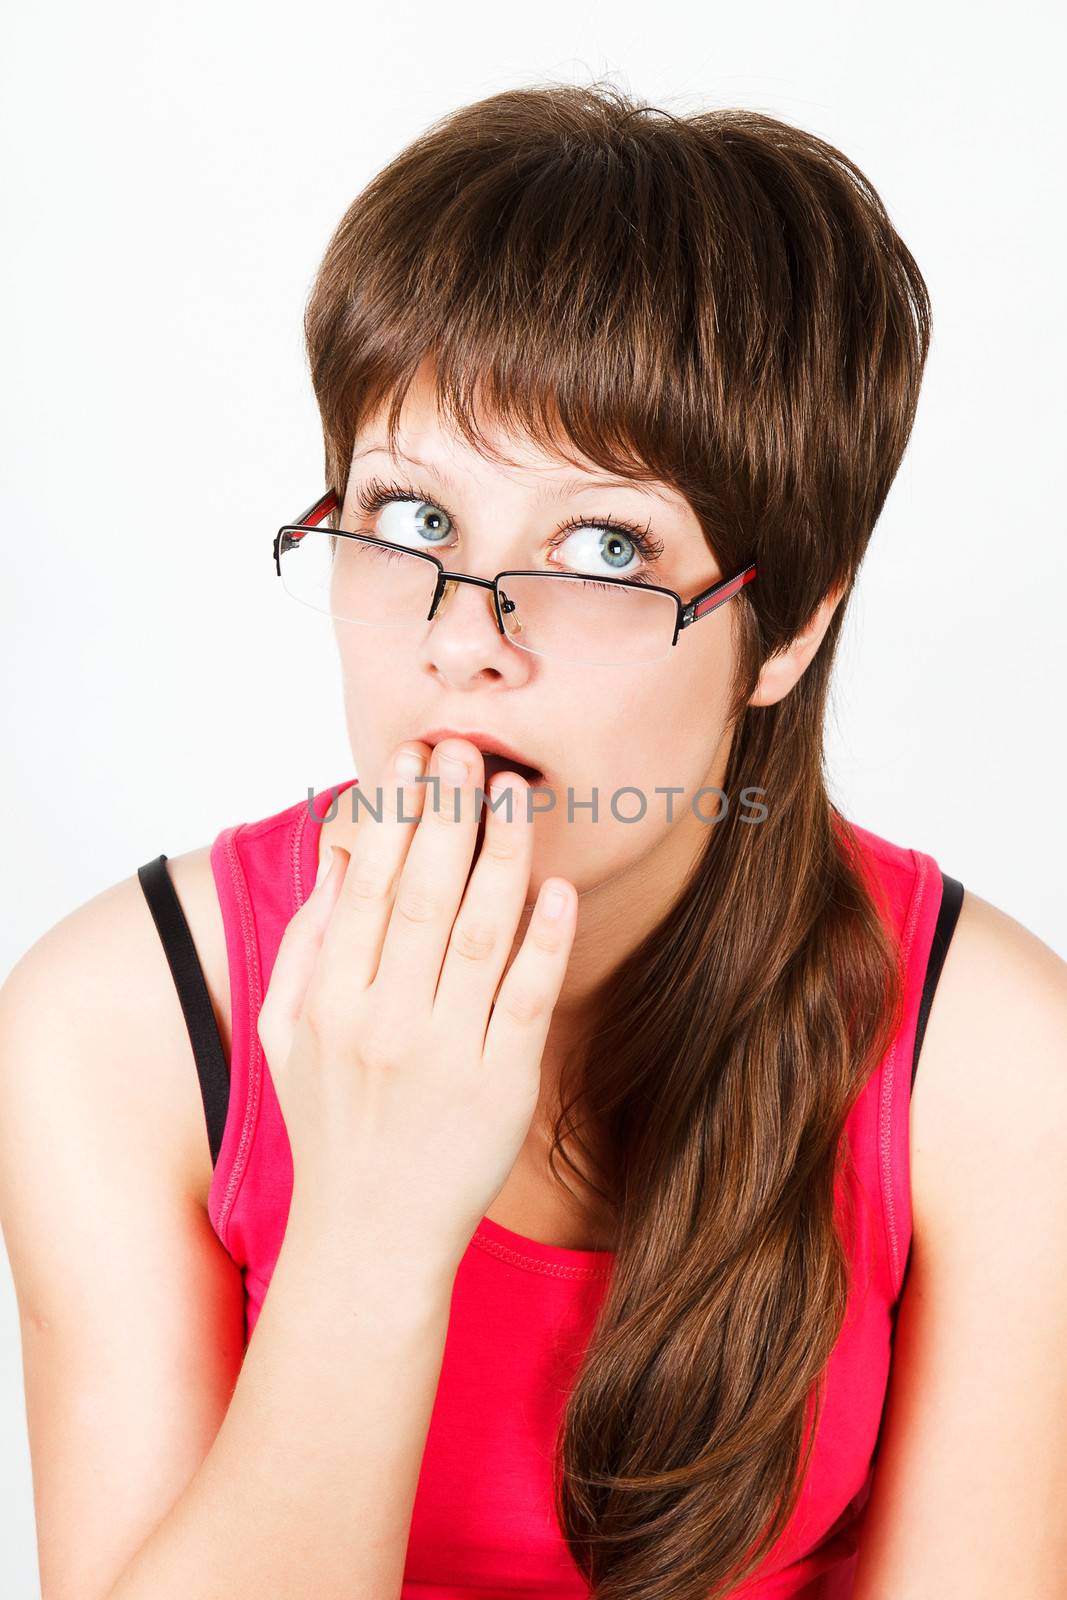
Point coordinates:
[[376, 493]]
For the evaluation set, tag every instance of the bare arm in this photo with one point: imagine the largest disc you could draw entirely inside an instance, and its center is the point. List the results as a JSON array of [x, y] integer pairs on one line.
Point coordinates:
[[970, 1491], [407, 1067], [310, 1483], [161, 1466]]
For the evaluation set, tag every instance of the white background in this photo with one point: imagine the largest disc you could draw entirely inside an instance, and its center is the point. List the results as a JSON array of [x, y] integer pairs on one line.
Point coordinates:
[[171, 176]]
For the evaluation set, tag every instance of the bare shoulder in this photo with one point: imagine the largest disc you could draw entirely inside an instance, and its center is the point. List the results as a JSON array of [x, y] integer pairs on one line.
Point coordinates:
[[130, 1310], [970, 1487], [100, 975], [993, 1069]]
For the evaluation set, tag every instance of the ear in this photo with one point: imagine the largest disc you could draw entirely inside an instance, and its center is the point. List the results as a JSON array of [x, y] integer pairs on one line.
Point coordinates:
[[780, 672]]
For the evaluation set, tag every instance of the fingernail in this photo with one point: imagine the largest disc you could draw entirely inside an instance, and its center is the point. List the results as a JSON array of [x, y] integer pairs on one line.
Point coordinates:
[[453, 768], [409, 764], [324, 865], [554, 902]]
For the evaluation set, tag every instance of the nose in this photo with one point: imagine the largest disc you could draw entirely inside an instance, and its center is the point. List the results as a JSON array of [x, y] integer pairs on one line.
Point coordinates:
[[464, 640], [480, 596]]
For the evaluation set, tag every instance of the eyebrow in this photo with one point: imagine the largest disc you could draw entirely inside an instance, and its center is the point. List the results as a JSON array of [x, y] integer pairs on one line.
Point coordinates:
[[562, 490]]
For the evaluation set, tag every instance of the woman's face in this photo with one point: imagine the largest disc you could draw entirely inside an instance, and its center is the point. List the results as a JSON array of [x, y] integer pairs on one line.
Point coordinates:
[[593, 729]]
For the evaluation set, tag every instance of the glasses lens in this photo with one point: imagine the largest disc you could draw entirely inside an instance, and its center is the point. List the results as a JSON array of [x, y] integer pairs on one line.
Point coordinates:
[[572, 618], [579, 619], [354, 580]]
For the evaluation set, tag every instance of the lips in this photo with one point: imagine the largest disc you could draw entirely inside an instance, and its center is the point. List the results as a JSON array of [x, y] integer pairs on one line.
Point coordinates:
[[496, 755]]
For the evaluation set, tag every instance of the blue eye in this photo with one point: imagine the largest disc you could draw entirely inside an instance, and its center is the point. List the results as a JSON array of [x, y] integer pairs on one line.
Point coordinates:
[[428, 522], [611, 544], [607, 541]]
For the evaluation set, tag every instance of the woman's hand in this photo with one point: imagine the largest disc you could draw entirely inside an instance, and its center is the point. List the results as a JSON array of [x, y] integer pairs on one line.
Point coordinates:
[[406, 1080]]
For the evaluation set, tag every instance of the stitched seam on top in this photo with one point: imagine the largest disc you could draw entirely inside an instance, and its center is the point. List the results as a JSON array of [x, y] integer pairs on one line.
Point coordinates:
[[296, 842], [252, 996], [296, 851], [889, 1210], [551, 1269]]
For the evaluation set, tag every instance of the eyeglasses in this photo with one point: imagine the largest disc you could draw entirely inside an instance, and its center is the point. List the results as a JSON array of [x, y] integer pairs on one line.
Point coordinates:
[[569, 616]]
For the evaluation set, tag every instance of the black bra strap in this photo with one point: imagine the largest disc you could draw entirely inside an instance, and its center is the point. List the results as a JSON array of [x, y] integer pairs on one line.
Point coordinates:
[[210, 1057], [188, 975], [944, 928], [951, 901]]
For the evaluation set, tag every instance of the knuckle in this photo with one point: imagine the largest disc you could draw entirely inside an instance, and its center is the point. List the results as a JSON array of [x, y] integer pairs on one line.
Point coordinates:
[[438, 804], [322, 1012], [544, 939], [473, 943], [318, 1018], [498, 848], [448, 809], [381, 1048], [524, 1005], [416, 905], [366, 885]]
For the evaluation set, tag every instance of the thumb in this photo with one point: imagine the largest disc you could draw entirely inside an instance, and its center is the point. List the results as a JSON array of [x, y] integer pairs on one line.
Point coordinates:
[[297, 954]]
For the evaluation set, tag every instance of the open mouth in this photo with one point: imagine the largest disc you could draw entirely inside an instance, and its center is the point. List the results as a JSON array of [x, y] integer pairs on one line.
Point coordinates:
[[494, 764]]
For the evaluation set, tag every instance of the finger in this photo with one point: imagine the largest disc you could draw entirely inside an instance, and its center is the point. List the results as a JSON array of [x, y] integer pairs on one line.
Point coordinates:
[[431, 883], [518, 1027], [298, 951], [484, 930], [353, 942]]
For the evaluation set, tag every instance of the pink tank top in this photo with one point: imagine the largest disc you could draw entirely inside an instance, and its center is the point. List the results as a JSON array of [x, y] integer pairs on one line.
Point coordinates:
[[483, 1522]]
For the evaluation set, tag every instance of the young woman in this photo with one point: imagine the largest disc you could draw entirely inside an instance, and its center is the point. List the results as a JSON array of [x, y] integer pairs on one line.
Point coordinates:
[[566, 1223]]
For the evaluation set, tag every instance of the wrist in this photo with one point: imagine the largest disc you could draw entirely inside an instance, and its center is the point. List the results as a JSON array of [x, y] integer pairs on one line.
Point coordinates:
[[399, 1284]]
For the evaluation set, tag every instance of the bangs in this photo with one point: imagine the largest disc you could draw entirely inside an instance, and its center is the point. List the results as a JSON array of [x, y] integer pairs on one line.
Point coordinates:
[[547, 296], [718, 303]]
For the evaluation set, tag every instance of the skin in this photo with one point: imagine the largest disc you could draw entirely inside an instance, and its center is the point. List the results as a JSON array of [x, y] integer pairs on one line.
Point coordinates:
[[143, 1419], [658, 724]]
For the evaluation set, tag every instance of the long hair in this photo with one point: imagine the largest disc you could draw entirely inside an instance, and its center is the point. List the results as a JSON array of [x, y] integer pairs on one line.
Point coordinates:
[[720, 302]]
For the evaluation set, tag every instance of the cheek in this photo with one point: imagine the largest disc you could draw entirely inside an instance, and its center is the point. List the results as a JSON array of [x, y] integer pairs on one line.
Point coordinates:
[[377, 668], [363, 652], [664, 734], [635, 739], [373, 694]]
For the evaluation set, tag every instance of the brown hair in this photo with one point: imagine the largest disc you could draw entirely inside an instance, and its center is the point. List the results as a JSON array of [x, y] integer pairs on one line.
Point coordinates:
[[719, 302]]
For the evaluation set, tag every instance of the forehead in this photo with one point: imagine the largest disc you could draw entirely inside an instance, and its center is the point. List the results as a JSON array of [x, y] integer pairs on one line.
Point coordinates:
[[545, 477], [436, 450], [428, 441]]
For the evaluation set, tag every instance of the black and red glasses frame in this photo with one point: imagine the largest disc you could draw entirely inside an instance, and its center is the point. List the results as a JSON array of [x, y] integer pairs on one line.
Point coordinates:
[[688, 611]]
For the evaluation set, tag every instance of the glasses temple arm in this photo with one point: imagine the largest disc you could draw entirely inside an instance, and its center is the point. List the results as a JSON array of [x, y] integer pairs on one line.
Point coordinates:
[[703, 604]]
